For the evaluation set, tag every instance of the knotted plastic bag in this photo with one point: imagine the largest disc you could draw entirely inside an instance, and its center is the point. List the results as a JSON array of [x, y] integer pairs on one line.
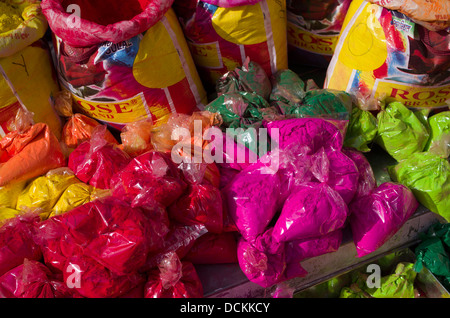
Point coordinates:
[[252, 199], [17, 242], [376, 217], [400, 131], [366, 180], [432, 251], [314, 133], [75, 195], [312, 210], [201, 203], [150, 177], [362, 130], [93, 280], [96, 161], [288, 90], [265, 262], [173, 279], [44, 192], [137, 137], [116, 235], [250, 77], [428, 177], [29, 154], [439, 142], [33, 279]]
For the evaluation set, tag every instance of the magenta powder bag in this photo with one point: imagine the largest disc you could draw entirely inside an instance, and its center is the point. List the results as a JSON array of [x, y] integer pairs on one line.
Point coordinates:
[[366, 179], [312, 132], [376, 217], [252, 198], [314, 209]]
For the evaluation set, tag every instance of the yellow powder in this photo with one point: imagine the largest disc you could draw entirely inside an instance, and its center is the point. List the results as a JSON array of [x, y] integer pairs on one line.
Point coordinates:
[[10, 17]]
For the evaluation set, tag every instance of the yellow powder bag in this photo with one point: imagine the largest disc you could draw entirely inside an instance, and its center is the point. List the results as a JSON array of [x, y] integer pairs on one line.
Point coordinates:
[[43, 192], [75, 195], [9, 194]]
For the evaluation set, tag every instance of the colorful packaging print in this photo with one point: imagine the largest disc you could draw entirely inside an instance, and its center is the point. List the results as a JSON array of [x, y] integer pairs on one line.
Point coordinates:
[[384, 54], [119, 72], [313, 29], [27, 76], [222, 34]]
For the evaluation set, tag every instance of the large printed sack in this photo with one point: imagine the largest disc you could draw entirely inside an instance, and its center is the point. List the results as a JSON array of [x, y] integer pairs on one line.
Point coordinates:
[[313, 29], [124, 62], [222, 34], [27, 76], [385, 54], [28, 154]]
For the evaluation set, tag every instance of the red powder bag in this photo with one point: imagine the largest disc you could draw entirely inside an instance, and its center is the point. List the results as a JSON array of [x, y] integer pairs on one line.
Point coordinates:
[[150, 177], [96, 281], [213, 248], [28, 154], [17, 242], [173, 279], [116, 235], [95, 161], [33, 279]]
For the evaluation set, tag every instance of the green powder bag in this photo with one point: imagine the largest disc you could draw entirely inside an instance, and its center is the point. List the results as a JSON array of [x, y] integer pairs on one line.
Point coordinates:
[[362, 130], [439, 142], [428, 177], [400, 132]]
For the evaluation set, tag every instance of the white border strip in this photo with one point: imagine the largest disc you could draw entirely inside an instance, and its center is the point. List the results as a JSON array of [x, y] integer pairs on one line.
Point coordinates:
[[269, 36]]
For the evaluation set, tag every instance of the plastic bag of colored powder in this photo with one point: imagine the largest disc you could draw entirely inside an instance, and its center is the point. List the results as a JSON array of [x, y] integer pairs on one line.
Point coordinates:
[[137, 137], [400, 132], [399, 284], [336, 170], [314, 133], [432, 251], [326, 103], [306, 248], [213, 248], [249, 77], [29, 154], [33, 279], [239, 109], [173, 279], [116, 235], [97, 281], [150, 177], [288, 90], [376, 217], [264, 261], [44, 192], [17, 242], [201, 203], [252, 199], [314, 209], [362, 130], [75, 195], [366, 180], [95, 161], [428, 177], [439, 142], [9, 194]]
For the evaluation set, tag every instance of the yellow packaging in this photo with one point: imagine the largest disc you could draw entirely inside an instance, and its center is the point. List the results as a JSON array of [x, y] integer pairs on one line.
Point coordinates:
[[27, 76], [382, 54], [8, 213]]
